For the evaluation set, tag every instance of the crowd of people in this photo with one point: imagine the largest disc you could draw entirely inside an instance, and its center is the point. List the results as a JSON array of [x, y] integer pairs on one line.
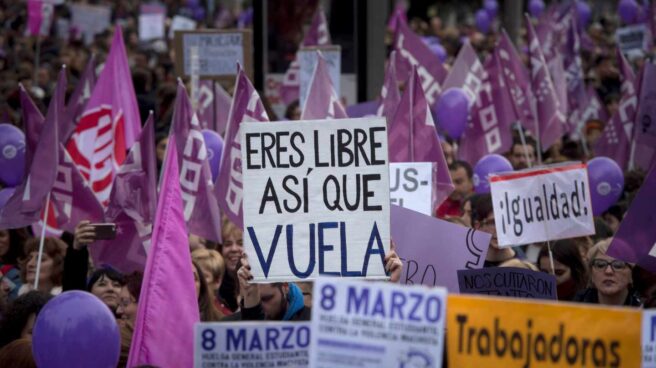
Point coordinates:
[[583, 270]]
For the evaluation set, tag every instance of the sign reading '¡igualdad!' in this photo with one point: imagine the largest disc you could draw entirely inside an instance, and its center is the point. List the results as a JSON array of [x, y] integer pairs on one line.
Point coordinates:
[[316, 198], [494, 332]]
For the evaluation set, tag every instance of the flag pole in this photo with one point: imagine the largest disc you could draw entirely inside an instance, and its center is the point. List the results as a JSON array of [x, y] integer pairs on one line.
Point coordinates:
[[41, 241], [551, 261]]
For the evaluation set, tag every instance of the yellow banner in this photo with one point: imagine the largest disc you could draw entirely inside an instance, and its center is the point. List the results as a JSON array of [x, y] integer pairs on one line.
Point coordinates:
[[500, 332]]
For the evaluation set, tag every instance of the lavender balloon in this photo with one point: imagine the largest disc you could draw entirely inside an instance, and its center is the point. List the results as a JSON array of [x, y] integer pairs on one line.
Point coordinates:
[[628, 10], [452, 111], [483, 21], [76, 329], [489, 164], [12, 155], [439, 51], [606, 183], [535, 8], [491, 7], [5, 194], [214, 145], [584, 12]]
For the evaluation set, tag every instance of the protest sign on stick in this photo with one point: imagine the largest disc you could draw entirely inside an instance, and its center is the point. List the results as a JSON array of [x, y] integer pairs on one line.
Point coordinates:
[[411, 185], [252, 344], [633, 38], [307, 59], [151, 22], [364, 324], [316, 198], [542, 204], [508, 281]]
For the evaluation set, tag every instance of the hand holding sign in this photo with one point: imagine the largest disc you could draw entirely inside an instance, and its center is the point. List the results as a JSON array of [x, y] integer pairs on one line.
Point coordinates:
[[249, 291]]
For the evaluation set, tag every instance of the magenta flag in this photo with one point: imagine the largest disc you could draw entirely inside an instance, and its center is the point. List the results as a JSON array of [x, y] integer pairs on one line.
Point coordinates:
[[516, 78], [549, 117], [132, 206], [322, 101], [491, 117], [32, 123], [168, 307], [413, 51], [615, 141], [39, 17], [201, 210], [413, 137], [78, 100], [317, 35], [645, 120], [213, 106], [246, 106], [109, 125], [467, 73], [389, 94]]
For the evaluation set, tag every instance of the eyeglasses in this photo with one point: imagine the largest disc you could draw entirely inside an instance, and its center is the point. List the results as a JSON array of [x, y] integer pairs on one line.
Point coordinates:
[[616, 265]]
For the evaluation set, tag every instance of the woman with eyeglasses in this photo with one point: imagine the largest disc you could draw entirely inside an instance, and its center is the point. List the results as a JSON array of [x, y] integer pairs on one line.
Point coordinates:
[[610, 278]]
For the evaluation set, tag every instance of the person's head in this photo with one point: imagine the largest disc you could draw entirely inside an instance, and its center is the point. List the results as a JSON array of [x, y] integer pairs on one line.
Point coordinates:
[[520, 152], [273, 298], [161, 140], [293, 111], [593, 131], [11, 246], [213, 267], [21, 315], [196, 242], [306, 288], [18, 354], [611, 277], [482, 214], [461, 176], [106, 283], [613, 217], [447, 149], [129, 297], [52, 262], [519, 263], [569, 268], [232, 246], [466, 210], [206, 307]]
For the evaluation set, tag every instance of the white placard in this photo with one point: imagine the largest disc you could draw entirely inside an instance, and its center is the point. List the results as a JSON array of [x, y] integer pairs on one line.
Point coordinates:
[[251, 344], [411, 185], [547, 203], [218, 53], [151, 25], [316, 198], [633, 38], [90, 20], [307, 59], [649, 339], [364, 324], [180, 23]]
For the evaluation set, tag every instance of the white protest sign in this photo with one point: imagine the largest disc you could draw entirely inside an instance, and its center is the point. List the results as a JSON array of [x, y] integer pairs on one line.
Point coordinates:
[[90, 20], [307, 60], [316, 198], [251, 344], [364, 324], [151, 22], [547, 203], [633, 38], [180, 23], [219, 52], [649, 339], [411, 185]]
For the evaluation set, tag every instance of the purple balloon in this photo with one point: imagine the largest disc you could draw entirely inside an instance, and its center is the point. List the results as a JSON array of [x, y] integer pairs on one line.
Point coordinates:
[[584, 12], [489, 164], [214, 145], [606, 183], [12, 155], [628, 10], [199, 13], [76, 329], [483, 21], [5, 194], [452, 111], [439, 51], [536, 7], [491, 7]]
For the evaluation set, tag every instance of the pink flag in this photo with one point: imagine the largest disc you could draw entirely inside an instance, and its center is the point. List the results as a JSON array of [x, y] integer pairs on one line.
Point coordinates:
[[213, 106], [466, 73], [491, 116], [615, 141], [389, 95], [201, 210], [32, 123], [132, 206], [109, 125], [246, 106], [549, 117], [39, 17], [413, 137], [322, 101], [415, 53], [78, 100], [317, 35], [168, 307]]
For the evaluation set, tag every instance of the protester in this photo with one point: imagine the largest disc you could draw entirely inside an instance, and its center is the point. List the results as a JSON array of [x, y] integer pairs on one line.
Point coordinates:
[[207, 309], [21, 314], [213, 266], [307, 290], [106, 283], [482, 215], [17, 354], [293, 111], [461, 176], [129, 298], [11, 252], [522, 155], [568, 268], [519, 263], [52, 265], [231, 249]]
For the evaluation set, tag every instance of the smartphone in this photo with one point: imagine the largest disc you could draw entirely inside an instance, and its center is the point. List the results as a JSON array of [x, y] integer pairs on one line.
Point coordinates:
[[105, 231]]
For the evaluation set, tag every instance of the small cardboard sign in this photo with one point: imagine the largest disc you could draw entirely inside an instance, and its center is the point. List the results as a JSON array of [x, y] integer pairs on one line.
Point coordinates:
[[307, 60], [508, 281], [411, 185]]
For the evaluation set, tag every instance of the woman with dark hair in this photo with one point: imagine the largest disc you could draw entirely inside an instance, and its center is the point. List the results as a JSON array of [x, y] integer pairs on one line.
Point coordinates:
[[106, 284], [206, 308], [21, 314], [18, 354], [11, 253], [51, 268], [231, 249], [569, 268], [129, 298]]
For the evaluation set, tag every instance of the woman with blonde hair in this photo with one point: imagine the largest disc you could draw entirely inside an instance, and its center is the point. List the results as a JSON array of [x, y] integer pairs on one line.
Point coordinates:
[[213, 266]]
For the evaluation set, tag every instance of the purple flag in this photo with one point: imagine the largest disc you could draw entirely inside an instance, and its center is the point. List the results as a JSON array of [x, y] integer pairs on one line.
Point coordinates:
[[398, 16], [389, 94], [213, 106], [168, 306], [368, 108], [433, 250], [558, 76], [516, 78], [615, 141], [318, 33], [246, 106], [490, 117], [645, 120], [32, 123], [412, 137], [39, 17], [200, 206], [576, 92], [410, 48], [594, 108], [132, 206], [467, 73], [635, 240], [322, 101], [78, 100], [549, 117]]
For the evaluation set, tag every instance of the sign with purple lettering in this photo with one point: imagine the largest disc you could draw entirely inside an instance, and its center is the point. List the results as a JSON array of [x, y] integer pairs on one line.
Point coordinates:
[[365, 324], [316, 198], [546, 203], [649, 339], [508, 281], [251, 344], [433, 250]]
